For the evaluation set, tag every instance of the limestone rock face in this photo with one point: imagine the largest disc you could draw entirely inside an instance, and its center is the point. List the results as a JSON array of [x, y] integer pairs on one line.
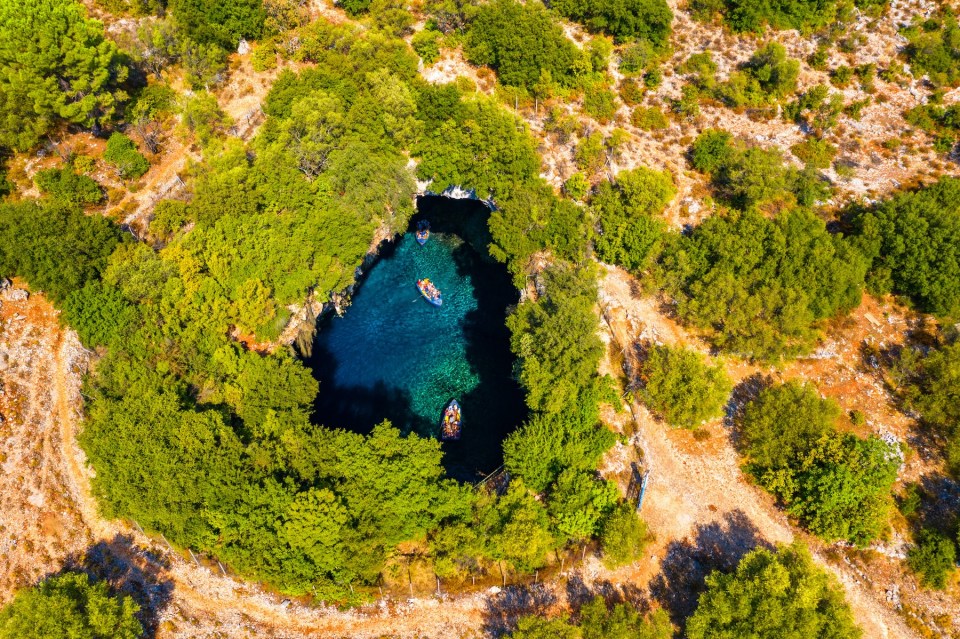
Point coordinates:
[[244, 47]]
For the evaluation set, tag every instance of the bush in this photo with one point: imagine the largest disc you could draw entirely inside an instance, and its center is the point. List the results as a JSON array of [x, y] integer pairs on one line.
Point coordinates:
[[427, 45], [773, 594], [932, 49], [123, 154], [599, 102], [760, 286], [99, 313], [815, 152], [681, 387], [520, 41], [70, 605], [624, 537], [630, 231], [929, 386], [749, 177], [933, 559], [219, 22], [66, 186], [626, 20], [577, 186], [913, 240], [838, 486], [649, 119], [767, 77]]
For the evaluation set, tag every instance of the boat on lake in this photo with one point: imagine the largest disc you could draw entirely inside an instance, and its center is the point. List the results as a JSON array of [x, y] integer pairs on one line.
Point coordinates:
[[450, 422], [423, 232], [430, 292]]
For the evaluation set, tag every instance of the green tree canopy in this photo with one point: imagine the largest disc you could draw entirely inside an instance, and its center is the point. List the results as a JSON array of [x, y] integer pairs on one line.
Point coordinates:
[[645, 20], [70, 605], [761, 285], [631, 232], [219, 22], [914, 242], [520, 40], [680, 386], [771, 595], [55, 66]]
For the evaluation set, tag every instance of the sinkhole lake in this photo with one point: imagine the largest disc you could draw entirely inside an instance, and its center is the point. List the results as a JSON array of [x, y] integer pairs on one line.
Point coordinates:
[[395, 356]]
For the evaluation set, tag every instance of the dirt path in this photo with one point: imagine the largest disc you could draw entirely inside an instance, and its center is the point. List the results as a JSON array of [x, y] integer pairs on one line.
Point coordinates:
[[698, 502]]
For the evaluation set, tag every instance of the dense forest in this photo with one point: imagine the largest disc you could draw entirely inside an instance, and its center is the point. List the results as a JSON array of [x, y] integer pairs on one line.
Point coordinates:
[[198, 420]]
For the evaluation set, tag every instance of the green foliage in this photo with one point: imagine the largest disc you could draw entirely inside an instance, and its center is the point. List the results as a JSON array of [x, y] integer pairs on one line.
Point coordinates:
[[123, 154], [55, 67], [681, 387], [767, 77], [815, 152], [492, 156], [520, 41], [597, 621], [203, 117], [66, 186], [577, 186], [427, 45], [747, 177], [624, 537], [55, 247], [99, 313], [70, 605], [626, 20], [538, 628], [219, 22], [837, 485], [803, 15], [599, 102], [817, 109], [169, 216], [556, 341], [630, 229], [914, 242], [760, 285], [941, 122], [932, 48], [934, 559], [781, 594], [649, 119], [579, 502], [929, 386]]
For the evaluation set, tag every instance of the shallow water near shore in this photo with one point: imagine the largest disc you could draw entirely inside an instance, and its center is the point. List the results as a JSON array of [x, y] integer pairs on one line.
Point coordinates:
[[395, 356]]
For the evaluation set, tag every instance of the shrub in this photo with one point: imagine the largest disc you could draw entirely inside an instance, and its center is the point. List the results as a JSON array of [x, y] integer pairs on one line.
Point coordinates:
[[99, 313], [815, 152], [913, 240], [599, 102], [626, 20], [768, 76], [681, 387], [427, 45], [70, 605], [932, 49], [624, 537], [649, 119], [123, 154], [933, 559], [838, 486], [577, 186], [773, 594], [520, 41], [68, 187], [627, 213]]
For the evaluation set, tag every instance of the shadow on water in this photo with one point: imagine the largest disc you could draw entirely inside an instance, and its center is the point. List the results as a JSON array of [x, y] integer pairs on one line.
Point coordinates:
[[389, 376]]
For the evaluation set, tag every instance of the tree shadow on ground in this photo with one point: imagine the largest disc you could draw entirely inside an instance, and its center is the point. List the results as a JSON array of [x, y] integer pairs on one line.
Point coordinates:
[[686, 563], [580, 593], [743, 393], [504, 608], [129, 570]]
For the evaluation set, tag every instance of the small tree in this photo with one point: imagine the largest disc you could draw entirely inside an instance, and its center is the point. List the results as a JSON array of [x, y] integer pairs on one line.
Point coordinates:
[[624, 537], [70, 605], [933, 558], [122, 153], [773, 595], [681, 387]]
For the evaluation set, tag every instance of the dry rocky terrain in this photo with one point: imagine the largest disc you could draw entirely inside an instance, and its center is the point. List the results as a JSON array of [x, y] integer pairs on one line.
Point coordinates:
[[702, 509]]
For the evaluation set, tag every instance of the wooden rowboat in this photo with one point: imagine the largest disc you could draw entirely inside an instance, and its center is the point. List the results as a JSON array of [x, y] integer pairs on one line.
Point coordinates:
[[430, 292], [450, 422]]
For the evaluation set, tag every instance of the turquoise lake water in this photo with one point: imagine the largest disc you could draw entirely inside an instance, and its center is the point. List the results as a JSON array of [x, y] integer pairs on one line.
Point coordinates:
[[395, 356]]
